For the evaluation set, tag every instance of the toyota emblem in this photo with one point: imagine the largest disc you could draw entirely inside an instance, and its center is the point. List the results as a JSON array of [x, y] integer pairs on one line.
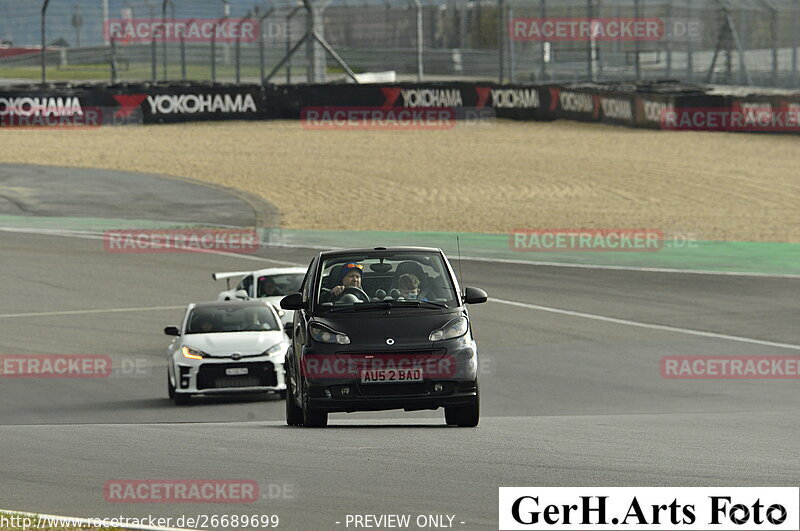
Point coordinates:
[[236, 356], [390, 341]]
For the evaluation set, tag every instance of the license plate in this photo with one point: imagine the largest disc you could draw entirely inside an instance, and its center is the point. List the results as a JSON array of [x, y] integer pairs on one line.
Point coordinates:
[[223, 382], [236, 371], [391, 375]]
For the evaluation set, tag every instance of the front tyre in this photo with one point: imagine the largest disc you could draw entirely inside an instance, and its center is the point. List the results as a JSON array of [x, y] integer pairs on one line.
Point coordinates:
[[313, 418], [464, 416], [294, 415]]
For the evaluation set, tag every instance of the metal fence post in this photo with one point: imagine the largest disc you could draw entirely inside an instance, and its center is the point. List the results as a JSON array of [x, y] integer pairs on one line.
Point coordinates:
[[637, 61], [44, 41], [261, 41], [315, 49], [164, 47], [420, 65], [545, 55], [114, 65], [512, 51], [289, 17], [501, 34], [796, 42], [591, 41], [689, 48], [154, 58], [671, 41], [183, 50], [214, 49], [774, 29], [239, 46]]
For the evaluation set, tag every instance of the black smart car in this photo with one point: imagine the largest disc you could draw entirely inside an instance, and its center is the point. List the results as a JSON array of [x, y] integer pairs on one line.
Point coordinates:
[[377, 329]]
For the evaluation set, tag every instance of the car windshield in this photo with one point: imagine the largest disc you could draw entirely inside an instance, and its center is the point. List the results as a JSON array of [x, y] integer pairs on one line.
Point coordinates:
[[279, 285], [403, 279], [215, 319]]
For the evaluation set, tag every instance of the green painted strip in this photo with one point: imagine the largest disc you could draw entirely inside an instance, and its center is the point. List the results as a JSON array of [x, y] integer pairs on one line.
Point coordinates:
[[757, 257]]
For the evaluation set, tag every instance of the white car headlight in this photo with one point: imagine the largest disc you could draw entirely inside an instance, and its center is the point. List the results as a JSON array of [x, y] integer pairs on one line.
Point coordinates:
[[192, 353], [326, 335], [277, 347], [455, 328]]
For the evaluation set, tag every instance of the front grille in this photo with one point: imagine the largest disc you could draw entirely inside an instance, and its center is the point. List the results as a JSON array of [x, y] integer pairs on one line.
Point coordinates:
[[237, 381], [212, 376]]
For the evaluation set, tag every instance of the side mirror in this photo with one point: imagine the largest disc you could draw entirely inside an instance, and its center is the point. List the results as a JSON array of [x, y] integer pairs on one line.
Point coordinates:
[[172, 331], [475, 296], [241, 294], [289, 329], [292, 302]]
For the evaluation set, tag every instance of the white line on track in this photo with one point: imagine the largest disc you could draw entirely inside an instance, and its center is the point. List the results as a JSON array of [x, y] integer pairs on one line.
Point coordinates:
[[89, 235], [665, 328], [84, 312], [98, 236], [632, 268]]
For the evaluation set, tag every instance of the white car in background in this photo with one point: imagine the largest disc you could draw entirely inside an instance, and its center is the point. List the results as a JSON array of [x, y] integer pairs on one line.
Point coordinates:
[[270, 284], [226, 347]]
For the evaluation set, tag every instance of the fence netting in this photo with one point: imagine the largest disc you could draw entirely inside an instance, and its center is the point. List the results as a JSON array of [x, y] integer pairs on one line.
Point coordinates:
[[736, 42]]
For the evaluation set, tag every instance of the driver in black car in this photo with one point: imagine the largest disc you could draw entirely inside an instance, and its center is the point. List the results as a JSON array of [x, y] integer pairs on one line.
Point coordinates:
[[350, 278]]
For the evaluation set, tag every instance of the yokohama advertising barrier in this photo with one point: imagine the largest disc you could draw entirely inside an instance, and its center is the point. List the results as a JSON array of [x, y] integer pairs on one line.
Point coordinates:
[[656, 105], [504, 101], [188, 103], [98, 105]]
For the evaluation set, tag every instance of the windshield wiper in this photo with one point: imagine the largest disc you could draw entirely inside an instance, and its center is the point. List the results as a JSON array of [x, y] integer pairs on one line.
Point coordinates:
[[387, 305], [417, 303], [362, 307]]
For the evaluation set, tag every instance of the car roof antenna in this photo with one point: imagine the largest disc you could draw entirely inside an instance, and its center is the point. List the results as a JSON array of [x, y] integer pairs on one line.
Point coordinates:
[[460, 271]]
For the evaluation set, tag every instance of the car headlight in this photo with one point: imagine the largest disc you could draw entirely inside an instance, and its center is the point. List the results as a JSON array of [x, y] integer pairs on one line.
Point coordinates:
[[455, 328], [192, 353], [326, 335], [277, 347]]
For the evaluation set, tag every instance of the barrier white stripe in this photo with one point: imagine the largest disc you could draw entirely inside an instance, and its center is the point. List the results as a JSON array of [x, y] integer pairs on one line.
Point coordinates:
[[664, 328]]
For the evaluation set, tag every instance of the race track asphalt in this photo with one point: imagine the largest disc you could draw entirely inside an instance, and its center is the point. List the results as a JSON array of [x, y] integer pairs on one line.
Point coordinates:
[[568, 399]]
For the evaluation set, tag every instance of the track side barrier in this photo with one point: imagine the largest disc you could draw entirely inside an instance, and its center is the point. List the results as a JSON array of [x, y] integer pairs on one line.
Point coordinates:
[[664, 105]]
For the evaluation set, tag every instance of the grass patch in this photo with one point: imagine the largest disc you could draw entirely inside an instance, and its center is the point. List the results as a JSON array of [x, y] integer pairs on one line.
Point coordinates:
[[143, 72]]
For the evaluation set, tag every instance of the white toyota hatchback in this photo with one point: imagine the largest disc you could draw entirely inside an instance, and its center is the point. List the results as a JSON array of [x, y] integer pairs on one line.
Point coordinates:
[[226, 347]]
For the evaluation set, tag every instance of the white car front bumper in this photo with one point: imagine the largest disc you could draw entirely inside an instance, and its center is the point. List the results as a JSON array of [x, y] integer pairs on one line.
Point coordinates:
[[225, 375]]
